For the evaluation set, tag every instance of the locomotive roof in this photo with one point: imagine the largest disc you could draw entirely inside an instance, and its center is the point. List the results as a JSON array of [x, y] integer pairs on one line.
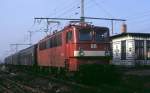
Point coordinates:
[[72, 25], [131, 34]]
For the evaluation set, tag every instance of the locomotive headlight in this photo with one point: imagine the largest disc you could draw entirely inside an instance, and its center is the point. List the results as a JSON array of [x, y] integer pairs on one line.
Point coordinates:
[[107, 53], [81, 52]]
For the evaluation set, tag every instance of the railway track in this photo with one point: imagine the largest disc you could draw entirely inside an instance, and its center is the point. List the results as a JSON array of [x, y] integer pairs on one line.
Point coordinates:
[[31, 84], [65, 82], [3, 88], [11, 85]]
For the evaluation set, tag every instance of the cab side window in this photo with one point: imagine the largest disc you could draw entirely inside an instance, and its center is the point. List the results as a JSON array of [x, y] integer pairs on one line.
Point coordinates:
[[68, 36], [42, 45]]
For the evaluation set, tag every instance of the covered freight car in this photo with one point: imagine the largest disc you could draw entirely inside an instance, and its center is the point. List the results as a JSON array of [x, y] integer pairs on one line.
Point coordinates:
[[26, 56], [12, 59], [15, 59], [8, 60]]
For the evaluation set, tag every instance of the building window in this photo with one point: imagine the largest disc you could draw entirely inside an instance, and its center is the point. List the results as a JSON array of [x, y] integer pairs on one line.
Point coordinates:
[[139, 49], [148, 49], [123, 50]]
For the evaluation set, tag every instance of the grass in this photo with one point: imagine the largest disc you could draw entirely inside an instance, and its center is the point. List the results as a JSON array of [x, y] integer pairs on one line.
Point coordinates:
[[111, 80]]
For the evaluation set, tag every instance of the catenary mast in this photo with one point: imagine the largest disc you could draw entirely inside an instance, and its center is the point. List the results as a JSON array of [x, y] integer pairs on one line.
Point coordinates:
[[82, 11]]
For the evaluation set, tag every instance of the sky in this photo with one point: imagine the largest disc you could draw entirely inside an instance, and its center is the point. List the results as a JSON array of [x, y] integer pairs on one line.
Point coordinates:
[[17, 18]]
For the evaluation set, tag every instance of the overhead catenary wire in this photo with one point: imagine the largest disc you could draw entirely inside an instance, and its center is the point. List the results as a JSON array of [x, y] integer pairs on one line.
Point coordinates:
[[88, 4], [141, 30], [67, 11], [138, 15], [26, 39], [62, 9], [39, 21], [104, 9], [139, 21]]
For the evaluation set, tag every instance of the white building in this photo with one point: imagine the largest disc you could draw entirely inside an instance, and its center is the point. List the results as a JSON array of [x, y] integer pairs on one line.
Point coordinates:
[[131, 49]]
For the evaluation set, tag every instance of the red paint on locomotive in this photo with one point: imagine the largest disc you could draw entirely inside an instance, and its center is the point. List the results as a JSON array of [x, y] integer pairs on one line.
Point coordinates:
[[73, 46]]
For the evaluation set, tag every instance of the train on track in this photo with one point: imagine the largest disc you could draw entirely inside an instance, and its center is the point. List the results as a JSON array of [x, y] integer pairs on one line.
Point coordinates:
[[69, 49]]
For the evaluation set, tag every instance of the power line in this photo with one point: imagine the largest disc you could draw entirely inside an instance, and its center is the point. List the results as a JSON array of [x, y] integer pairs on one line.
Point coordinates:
[[88, 4], [137, 15], [140, 20], [16, 45], [24, 40], [26, 37], [63, 9], [48, 21], [143, 29], [109, 19], [55, 18], [69, 10], [105, 18], [100, 6]]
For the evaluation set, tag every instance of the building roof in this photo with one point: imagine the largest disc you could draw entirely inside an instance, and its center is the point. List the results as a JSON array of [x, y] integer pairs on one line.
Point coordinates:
[[131, 34]]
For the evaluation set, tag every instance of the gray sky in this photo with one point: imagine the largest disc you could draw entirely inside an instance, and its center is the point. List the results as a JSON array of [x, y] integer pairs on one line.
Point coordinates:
[[16, 17]]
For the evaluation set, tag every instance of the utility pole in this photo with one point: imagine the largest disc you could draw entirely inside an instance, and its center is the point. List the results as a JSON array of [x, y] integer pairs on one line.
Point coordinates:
[[82, 11], [30, 37], [112, 27], [47, 23]]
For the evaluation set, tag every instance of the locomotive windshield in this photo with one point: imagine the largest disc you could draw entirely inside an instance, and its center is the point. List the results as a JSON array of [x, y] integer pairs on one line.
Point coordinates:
[[97, 34], [85, 35], [101, 34]]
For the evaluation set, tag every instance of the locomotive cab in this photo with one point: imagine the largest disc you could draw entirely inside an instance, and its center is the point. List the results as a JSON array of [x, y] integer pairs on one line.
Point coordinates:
[[90, 45]]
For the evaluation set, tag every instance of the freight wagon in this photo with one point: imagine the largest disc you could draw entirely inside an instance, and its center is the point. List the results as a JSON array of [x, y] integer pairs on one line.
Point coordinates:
[[25, 57]]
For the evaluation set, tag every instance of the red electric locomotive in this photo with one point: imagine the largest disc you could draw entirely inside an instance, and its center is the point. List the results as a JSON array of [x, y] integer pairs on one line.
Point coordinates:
[[75, 45]]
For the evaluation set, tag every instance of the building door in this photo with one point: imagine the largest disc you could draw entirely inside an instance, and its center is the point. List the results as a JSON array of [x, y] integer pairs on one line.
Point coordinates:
[[123, 50]]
